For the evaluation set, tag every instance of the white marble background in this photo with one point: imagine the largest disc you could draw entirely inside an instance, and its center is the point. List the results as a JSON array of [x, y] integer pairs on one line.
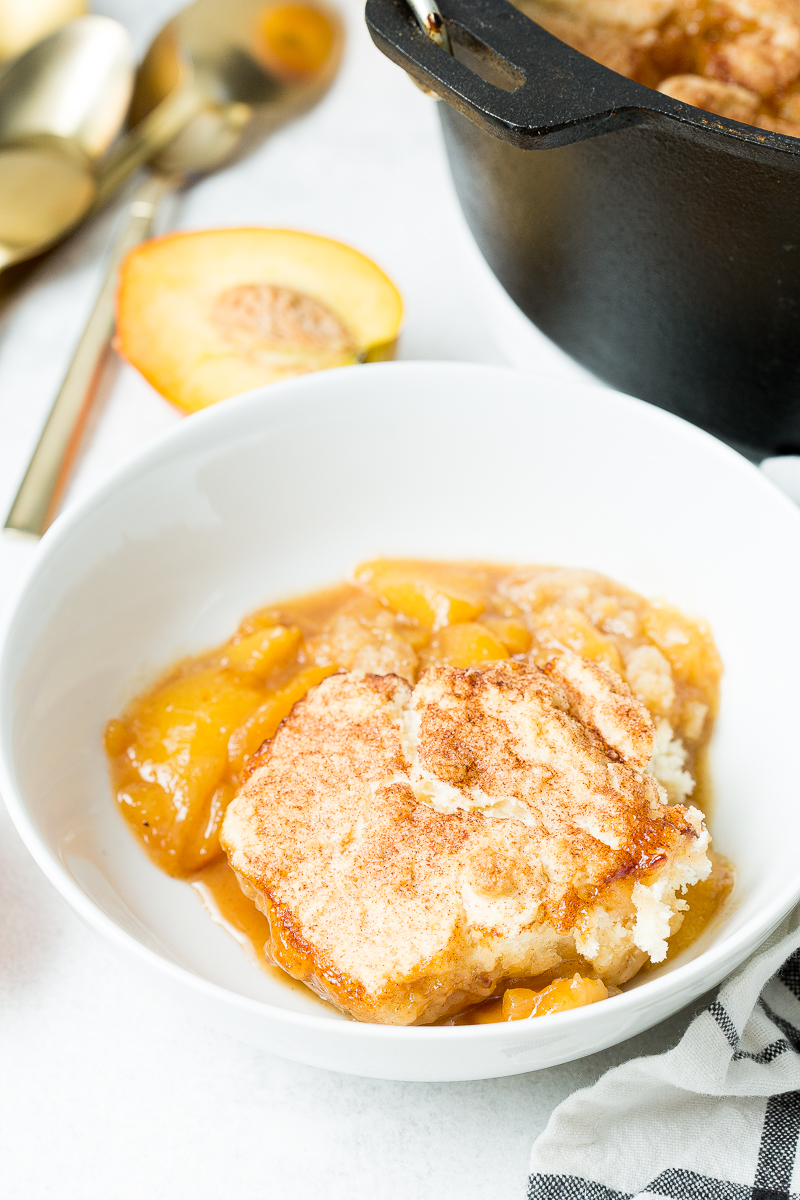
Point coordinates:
[[107, 1091]]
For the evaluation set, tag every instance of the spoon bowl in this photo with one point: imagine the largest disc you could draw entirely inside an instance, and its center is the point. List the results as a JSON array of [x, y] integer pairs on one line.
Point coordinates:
[[62, 103], [219, 78]]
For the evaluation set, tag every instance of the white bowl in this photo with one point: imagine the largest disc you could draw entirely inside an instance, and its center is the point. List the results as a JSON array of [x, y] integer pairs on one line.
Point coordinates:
[[285, 489]]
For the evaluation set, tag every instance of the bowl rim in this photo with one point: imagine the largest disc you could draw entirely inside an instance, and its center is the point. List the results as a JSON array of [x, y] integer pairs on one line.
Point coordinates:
[[264, 401]]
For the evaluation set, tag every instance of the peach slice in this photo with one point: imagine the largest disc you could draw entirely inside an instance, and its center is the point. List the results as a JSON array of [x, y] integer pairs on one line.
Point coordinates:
[[559, 996], [511, 632], [261, 652], [206, 315], [465, 645], [433, 594], [263, 723], [561, 626], [687, 644], [172, 759]]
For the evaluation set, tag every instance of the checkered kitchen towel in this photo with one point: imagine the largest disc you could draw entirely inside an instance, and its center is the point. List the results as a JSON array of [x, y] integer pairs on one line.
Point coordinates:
[[716, 1118]]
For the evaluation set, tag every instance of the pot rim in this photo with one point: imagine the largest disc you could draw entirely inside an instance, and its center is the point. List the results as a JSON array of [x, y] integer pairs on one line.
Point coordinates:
[[564, 96]]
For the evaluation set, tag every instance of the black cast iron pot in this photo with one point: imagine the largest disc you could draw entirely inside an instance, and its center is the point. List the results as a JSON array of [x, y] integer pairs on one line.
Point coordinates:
[[656, 243]]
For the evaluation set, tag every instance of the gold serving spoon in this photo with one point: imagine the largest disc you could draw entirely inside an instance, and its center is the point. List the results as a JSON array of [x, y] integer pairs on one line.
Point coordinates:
[[218, 78], [62, 103]]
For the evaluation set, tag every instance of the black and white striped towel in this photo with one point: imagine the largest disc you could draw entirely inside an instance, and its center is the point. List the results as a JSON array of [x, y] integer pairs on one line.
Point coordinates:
[[716, 1118]]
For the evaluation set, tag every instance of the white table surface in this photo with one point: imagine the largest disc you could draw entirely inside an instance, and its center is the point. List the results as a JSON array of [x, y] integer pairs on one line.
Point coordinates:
[[106, 1089]]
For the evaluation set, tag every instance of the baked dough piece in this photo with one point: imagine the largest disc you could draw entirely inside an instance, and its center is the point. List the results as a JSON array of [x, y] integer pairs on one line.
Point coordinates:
[[413, 847]]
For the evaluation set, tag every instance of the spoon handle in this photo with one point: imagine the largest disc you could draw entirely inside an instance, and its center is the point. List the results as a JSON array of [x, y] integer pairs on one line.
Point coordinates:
[[48, 472], [145, 140]]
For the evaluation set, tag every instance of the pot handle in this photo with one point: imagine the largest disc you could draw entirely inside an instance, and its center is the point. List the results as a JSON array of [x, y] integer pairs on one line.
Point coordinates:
[[529, 88]]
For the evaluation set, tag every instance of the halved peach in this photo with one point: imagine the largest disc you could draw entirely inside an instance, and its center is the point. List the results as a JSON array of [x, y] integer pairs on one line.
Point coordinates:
[[206, 315]]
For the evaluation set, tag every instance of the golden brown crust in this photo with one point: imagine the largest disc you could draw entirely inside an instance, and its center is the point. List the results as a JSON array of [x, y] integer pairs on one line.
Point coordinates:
[[410, 848]]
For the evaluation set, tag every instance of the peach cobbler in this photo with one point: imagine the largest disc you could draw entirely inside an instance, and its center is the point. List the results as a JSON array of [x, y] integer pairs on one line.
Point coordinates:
[[441, 792], [737, 58]]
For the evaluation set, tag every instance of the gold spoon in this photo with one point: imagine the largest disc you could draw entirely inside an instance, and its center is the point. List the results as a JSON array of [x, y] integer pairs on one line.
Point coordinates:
[[217, 79], [62, 103]]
